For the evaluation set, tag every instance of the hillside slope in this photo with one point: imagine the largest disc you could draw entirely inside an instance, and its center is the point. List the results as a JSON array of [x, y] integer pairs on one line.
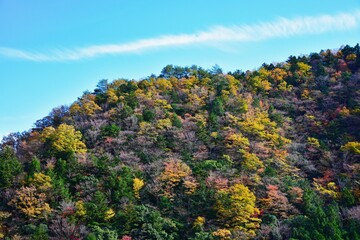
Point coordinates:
[[195, 154]]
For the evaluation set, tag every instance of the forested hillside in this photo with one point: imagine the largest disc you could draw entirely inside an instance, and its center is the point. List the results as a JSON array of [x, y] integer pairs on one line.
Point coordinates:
[[196, 154]]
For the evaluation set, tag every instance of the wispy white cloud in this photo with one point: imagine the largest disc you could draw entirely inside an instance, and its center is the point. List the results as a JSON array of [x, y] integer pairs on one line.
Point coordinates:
[[281, 27]]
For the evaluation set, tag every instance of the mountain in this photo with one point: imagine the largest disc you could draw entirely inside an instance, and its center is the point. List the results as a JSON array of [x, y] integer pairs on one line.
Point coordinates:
[[196, 154]]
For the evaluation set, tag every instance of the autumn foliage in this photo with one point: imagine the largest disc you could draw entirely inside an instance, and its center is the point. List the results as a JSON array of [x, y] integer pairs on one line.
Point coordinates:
[[271, 153]]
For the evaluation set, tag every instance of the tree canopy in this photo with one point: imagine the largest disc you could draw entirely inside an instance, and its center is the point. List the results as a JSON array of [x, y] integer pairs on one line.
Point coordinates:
[[271, 153]]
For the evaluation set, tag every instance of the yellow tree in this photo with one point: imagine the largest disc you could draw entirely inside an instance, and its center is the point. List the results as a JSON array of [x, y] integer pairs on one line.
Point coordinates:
[[352, 147], [86, 105], [250, 161], [304, 69], [80, 209], [41, 181], [112, 98], [278, 74], [236, 141], [163, 84], [137, 186], [259, 81], [63, 139], [236, 209], [31, 203]]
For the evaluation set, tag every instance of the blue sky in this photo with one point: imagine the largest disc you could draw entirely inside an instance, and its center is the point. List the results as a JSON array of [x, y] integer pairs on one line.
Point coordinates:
[[52, 51]]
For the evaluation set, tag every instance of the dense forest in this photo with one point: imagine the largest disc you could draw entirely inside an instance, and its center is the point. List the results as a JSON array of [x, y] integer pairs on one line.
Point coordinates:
[[272, 153]]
